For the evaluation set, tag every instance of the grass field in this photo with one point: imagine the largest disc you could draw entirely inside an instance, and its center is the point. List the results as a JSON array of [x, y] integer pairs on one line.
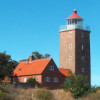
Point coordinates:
[[9, 92]]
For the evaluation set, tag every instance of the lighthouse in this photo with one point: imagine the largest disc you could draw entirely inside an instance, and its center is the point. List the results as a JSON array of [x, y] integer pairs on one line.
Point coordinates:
[[75, 46]]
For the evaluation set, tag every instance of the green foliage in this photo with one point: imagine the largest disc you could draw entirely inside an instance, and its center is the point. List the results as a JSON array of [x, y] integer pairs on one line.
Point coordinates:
[[91, 90], [31, 80], [6, 65], [37, 55], [77, 85], [98, 88], [44, 94]]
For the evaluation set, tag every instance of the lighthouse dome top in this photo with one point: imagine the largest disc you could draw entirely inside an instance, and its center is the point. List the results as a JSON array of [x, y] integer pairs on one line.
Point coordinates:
[[74, 15]]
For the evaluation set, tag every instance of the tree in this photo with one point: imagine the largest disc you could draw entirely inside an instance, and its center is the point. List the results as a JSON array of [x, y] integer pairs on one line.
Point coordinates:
[[10, 67], [7, 65], [38, 55], [77, 85]]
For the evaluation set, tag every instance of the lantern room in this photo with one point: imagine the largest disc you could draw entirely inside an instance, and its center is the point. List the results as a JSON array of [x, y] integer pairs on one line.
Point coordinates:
[[74, 19], [74, 22]]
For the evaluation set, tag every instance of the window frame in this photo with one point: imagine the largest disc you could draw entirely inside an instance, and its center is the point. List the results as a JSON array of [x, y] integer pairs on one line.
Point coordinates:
[[47, 79], [37, 79], [14, 80], [70, 45], [25, 79], [55, 79], [70, 34], [51, 68], [83, 70], [82, 35], [82, 47], [66, 80], [82, 58], [70, 57]]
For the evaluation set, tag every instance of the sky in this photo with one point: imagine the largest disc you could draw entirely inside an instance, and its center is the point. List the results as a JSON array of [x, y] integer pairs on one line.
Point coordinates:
[[33, 25]]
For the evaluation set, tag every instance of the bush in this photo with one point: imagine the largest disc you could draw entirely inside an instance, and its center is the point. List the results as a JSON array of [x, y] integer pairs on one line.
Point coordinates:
[[98, 88], [91, 90], [44, 94], [31, 80], [77, 85]]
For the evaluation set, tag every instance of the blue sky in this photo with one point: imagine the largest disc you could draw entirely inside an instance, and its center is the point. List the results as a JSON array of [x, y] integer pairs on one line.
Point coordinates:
[[33, 25]]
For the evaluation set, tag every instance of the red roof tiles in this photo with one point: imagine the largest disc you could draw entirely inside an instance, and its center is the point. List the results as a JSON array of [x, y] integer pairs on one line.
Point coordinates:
[[64, 71], [74, 15], [29, 68]]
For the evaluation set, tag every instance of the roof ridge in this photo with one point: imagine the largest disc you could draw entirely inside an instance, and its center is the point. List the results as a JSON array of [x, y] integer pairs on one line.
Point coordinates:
[[43, 59], [35, 60]]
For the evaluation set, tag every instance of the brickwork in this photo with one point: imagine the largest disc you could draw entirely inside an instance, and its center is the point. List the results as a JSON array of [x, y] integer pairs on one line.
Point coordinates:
[[52, 74], [85, 41], [21, 78], [76, 63], [46, 73], [66, 51]]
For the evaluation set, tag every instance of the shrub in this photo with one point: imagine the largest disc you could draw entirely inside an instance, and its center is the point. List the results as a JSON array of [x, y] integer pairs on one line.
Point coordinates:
[[93, 96], [91, 90], [44, 94], [98, 88], [31, 80], [77, 85]]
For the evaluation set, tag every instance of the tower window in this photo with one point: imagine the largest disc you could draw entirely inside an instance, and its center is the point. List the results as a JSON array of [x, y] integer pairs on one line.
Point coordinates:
[[70, 34], [82, 47], [82, 69], [82, 57], [82, 35], [70, 45], [70, 57]]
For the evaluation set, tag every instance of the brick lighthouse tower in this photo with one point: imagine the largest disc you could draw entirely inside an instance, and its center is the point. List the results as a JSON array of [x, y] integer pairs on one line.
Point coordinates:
[[75, 46]]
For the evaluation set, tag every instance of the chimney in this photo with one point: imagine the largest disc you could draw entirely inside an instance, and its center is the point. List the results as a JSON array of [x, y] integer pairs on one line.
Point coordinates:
[[31, 58]]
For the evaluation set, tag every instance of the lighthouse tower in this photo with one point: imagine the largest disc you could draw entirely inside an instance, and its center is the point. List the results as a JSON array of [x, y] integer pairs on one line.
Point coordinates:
[[75, 46]]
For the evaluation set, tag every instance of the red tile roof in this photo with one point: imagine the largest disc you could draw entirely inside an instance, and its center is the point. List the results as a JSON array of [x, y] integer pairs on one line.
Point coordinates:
[[29, 68], [74, 15], [64, 71]]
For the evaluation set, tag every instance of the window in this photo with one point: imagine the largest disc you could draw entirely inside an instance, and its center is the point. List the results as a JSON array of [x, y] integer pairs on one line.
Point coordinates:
[[47, 79], [55, 79], [70, 45], [82, 69], [37, 78], [66, 80], [82, 35], [82, 58], [82, 47], [70, 57], [70, 34], [19, 68], [14, 80], [51, 68], [25, 79]]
